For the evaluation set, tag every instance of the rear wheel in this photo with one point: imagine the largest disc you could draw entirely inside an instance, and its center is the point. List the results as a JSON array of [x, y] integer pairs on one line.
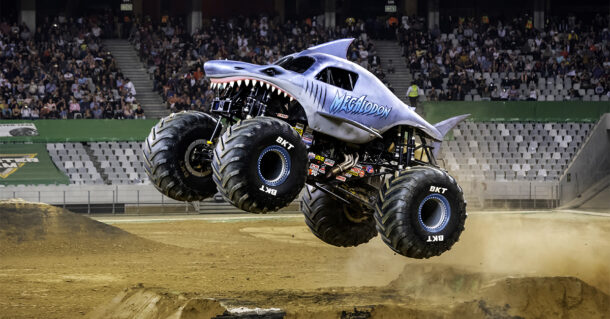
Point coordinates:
[[178, 156], [260, 164], [421, 212], [336, 223]]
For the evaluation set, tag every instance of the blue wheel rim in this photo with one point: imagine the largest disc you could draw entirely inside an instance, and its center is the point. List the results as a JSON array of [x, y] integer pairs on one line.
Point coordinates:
[[434, 213], [274, 152]]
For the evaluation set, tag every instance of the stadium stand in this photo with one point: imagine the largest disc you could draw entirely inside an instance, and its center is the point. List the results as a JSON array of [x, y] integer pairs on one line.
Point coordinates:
[[120, 162], [74, 161], [512, 151], [61, 71], [100, 163], [532, 151], [509, 60]]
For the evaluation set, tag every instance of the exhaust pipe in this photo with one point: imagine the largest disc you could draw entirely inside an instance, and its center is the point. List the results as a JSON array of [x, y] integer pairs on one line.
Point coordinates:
[[349, 162]]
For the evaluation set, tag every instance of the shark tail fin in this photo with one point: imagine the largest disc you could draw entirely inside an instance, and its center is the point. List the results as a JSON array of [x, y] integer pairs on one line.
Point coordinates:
[[444, 127]]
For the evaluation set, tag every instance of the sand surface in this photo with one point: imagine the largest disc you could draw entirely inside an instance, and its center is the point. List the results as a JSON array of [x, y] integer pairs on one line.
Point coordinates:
[[54, 264]]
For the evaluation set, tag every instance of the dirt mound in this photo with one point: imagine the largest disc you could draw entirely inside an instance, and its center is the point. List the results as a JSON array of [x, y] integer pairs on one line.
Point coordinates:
[[484, 295], [35, 228], [439, 281], [548, 297], [157, 303]]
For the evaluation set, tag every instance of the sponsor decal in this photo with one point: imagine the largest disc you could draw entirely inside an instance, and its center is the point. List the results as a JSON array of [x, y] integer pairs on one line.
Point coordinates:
[[299, 128], [369, 169], [282, 115], [329, 162], [307, 140], [314, 166], [320, 158], [341, 178], [311, 155], [312, 172], [18, 129], [358, 105], [361, 174], [10, 163]]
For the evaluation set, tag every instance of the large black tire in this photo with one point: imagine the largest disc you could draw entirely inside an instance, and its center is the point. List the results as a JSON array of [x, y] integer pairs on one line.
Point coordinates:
[[420, 212], [170, 156], [336, 223], [260, 164]]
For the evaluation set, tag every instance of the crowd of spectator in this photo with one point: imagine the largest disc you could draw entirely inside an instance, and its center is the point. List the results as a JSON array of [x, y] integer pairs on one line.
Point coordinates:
[[175, 58], [62, 71], [508, 61]]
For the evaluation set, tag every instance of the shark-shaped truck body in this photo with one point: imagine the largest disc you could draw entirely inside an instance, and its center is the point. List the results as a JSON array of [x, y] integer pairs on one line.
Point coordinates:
[[314, 118]]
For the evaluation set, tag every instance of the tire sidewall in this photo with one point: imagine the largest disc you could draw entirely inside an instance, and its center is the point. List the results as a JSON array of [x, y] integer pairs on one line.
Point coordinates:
[[202, 129], [297, 162], [439, 186]]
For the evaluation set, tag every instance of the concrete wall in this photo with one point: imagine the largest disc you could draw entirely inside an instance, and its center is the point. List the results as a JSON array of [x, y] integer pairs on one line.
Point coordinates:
[[475, 192], [87, 194], [590, 165]]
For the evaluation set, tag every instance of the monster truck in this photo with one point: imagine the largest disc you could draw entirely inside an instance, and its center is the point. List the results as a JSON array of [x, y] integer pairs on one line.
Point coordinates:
[[315, 120]]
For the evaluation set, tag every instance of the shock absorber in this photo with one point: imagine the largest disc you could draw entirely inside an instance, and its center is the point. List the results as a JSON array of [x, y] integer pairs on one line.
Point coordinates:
[[398, 150], [250, 103]]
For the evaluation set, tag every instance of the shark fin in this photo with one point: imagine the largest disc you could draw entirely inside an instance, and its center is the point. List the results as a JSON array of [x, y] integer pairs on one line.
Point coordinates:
[[337, 48], [444, 127]]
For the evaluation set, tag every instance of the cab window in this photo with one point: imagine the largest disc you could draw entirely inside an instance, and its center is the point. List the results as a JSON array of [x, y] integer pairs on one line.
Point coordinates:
[[338, 77], [298, 65]]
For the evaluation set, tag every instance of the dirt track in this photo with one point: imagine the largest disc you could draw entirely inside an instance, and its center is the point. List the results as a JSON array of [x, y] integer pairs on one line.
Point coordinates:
[[502, 259]]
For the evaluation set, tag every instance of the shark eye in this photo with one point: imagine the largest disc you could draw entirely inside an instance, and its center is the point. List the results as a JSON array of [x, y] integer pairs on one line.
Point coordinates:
[[271, 71]]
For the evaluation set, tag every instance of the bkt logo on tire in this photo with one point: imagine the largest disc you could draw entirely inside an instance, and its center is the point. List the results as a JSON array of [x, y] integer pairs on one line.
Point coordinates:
[[432, 239], [268, 190], [284, 143], [437, 189]]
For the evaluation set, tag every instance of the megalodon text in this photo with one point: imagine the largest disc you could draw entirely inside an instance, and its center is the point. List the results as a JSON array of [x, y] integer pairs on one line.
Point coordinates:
[[358, 105]]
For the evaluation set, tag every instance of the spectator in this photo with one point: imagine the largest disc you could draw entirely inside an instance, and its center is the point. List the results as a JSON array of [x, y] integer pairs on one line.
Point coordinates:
[[391, 68], [413, 95], [139, 113]]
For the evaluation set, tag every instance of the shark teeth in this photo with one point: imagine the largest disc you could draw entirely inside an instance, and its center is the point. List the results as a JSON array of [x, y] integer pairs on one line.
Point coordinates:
[[217, 84]]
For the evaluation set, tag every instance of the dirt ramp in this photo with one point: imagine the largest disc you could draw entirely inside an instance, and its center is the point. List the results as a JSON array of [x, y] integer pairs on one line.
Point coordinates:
[[153, 303], [37, 229]]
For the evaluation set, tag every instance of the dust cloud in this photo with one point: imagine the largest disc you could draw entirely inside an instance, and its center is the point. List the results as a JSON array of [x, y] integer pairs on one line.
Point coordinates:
[[506, 245]]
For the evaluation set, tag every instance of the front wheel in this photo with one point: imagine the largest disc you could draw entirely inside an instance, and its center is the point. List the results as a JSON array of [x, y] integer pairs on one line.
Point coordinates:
[[421, 212], [178, 156], [260, 164]]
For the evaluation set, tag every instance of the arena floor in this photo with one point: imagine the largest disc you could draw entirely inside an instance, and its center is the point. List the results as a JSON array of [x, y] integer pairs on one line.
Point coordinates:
[[542, 264]]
